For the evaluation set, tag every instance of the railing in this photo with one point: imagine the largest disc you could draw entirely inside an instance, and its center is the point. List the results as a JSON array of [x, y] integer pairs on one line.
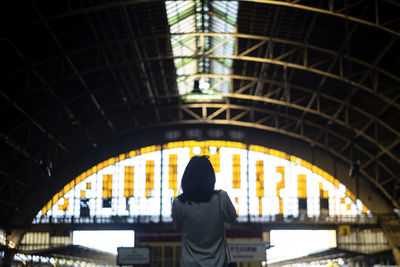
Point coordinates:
[[156, 219]]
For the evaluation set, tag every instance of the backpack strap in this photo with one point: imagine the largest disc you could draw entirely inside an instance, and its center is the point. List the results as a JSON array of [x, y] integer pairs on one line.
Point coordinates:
[[223, 228]]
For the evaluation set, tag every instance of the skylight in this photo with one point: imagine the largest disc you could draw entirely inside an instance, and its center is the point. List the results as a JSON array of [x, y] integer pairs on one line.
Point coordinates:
[[198, 32]]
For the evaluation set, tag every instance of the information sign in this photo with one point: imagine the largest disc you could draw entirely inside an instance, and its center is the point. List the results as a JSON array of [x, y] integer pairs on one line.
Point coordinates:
[[133, 255], [247, 251]]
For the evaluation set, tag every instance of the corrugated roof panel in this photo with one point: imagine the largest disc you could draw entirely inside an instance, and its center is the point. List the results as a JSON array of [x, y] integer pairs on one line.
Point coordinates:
[[177, 40], [219, 66], [185, 25], [219, 25], [188, 17], [185, 48], [220, 85], [185, 84], [225, 49], [226, 10], [189, 68], [178, 10]]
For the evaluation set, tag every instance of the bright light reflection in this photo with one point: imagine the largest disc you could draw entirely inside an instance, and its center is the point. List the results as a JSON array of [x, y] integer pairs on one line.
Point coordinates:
[[290, 244], [287, 244], [107, 241]]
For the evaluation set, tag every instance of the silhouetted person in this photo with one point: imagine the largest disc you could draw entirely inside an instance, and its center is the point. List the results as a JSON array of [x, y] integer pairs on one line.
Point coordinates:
[[199, 214]]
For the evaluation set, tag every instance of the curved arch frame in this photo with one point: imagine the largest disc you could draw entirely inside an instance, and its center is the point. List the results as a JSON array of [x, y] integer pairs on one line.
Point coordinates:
[[200, 118], [115, 147], [327, 11]]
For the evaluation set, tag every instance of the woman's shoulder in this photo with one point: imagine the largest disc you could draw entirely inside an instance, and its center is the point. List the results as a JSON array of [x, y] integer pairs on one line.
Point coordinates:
[[177, 202], [222, 193]]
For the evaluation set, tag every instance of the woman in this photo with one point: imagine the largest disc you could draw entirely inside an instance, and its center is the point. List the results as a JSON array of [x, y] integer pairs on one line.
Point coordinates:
[[199, 214]]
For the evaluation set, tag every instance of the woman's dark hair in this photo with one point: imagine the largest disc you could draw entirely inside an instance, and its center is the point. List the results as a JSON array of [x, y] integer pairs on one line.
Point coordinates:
[[198, 180]]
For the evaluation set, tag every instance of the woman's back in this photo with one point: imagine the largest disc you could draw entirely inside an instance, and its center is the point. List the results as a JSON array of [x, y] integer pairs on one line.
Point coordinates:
[[201, 225], [199, 214]]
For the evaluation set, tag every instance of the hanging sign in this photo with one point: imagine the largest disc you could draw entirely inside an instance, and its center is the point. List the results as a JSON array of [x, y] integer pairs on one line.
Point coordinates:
[[133, 255], [247, 251]]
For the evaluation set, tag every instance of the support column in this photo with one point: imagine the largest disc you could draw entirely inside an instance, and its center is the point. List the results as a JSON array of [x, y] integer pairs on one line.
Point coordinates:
[[396, 254], [390, 225], [8, 257], [13, 239]]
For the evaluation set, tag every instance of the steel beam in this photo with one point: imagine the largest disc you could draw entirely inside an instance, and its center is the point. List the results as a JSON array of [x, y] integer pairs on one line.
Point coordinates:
[[318, 10], [34, 122], [305, 46], [75, 70], [344, 45], [126, 98], [330, 12], [253, 80], [246, 110], [386, 107]]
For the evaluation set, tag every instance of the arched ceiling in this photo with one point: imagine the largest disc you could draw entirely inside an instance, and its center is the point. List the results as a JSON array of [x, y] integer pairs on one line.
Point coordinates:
[[76, 74]]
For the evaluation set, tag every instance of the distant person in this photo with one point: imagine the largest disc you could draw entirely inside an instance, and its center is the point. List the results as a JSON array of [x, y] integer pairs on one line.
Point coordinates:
[[199, 214]]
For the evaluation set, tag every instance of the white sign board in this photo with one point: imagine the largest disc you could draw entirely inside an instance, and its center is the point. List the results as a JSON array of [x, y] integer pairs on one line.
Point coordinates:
[[133, 255], [247, 251]]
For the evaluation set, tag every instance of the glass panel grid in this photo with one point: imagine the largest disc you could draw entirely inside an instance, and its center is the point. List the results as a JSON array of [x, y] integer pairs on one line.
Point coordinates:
[[197, 17], [178, 10], [185, 25], [239, 171], [226, 10]]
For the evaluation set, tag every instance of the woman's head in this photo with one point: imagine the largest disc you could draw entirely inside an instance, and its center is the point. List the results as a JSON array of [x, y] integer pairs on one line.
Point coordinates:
[[198, 180]]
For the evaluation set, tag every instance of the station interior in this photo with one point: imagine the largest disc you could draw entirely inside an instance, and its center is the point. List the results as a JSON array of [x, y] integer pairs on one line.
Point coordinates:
[[296, 103]]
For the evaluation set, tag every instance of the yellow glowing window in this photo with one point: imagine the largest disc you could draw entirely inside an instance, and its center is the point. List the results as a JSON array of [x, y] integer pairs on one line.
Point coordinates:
[[205, 150], [149, 177], [302, 186], [65, 205], [280, 185], [107, 185], [364, 209], [260, 178], [215, 161], [173, 173], [236, 171], [344, 230], [280, 205], [128, 185]]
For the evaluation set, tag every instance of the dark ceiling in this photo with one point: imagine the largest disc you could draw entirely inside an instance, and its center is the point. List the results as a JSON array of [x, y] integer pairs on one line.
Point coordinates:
[[78, 73]]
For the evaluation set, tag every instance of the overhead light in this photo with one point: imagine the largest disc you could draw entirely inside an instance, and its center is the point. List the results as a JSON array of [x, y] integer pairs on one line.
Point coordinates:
[[196, 87]]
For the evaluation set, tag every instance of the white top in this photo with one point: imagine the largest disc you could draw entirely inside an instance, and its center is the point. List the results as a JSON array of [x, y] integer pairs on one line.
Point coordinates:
[[202, 229]]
